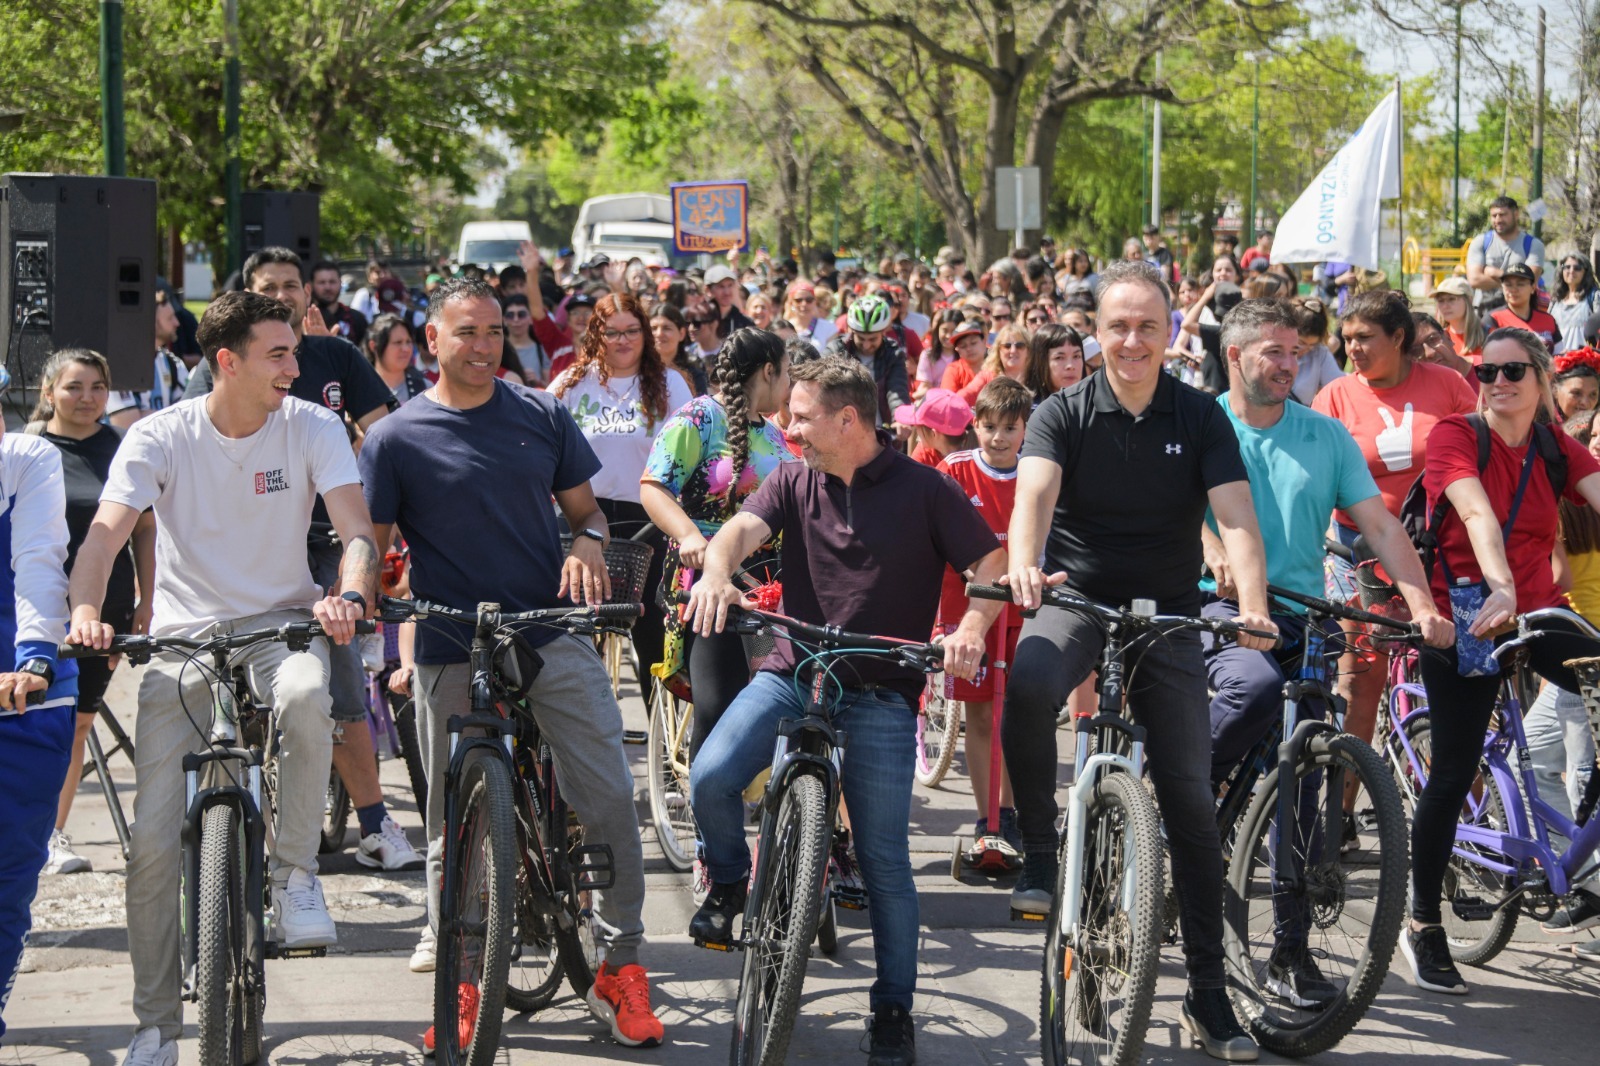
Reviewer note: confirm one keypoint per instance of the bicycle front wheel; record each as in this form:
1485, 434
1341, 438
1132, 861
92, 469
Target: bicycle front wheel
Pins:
231, 999
671, 729
1307, 909
477, 914
780, 923
1098, 987
938, 731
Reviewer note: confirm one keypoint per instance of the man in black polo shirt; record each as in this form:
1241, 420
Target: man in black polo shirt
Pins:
335, 374
867, 532
1119, 470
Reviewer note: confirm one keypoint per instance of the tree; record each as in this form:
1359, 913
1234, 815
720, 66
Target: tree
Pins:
905, 72
372, 100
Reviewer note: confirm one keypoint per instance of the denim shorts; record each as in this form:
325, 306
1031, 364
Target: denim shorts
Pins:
1339, 576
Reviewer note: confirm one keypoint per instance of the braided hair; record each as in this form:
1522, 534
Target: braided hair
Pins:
741, 358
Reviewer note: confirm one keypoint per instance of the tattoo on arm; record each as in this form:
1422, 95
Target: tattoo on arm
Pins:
358, 570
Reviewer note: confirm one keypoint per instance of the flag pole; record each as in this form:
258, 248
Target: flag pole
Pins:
1400, 208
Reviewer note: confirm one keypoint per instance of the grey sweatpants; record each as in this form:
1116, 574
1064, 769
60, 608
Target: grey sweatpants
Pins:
175, 719
579, 717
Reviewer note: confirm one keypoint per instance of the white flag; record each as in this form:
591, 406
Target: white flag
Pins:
1336, 219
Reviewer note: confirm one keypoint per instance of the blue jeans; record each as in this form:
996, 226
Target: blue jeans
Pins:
878, 763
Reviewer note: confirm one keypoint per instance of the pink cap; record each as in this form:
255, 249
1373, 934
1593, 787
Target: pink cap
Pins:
940, 410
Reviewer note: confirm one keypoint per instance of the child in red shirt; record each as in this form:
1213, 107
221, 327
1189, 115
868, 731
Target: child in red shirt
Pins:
988, 476
939, 425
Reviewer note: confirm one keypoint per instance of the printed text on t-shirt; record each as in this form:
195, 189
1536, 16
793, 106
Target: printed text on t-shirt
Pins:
271, 481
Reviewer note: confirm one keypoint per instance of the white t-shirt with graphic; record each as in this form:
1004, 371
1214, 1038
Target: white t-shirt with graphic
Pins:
612, 420
231, 515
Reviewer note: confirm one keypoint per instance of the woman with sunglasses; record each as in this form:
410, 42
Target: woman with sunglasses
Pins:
801, 307
1576, 300
1389, 404
1494, 551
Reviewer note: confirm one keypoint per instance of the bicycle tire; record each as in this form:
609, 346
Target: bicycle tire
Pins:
781, 919
229, 1016
1474, 943
335, 815
938, 730
405, 724
1353, 904
1122, 824
580, 948
536, 970
670, 811
478, 894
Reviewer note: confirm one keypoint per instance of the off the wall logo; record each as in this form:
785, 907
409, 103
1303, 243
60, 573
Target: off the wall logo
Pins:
271, 481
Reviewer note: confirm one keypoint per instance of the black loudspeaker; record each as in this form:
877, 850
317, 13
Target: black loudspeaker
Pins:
291, 220
79, 272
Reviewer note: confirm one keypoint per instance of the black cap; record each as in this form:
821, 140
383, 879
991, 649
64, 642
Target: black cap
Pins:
581, 299
595, 261
1519, 270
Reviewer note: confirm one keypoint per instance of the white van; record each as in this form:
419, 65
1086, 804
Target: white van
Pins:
491, 244
627, 225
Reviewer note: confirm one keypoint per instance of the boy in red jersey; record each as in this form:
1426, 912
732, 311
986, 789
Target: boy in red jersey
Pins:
987, 475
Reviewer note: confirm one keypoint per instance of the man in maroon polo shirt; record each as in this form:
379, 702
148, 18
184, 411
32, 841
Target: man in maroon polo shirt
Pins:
867, 534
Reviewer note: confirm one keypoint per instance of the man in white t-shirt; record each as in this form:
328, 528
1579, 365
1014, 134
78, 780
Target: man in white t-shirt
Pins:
232, 477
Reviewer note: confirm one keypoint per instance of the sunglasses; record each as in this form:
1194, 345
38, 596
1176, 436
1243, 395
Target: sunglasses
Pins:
1514, 372
1571, 266
700, 321
998, 317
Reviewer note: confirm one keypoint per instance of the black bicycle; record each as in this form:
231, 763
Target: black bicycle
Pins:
799, 806
514, 908
231, 787
1104, 931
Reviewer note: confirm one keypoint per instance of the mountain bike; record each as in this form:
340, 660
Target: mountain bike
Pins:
1299, 891
799, 807
514, 913
1104, 927
1504, 864
227, 831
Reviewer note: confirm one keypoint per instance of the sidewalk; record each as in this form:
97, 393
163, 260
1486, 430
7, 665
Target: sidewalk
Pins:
978, 997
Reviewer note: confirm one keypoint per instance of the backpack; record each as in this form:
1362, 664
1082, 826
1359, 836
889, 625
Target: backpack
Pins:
1423, 528
1527, 246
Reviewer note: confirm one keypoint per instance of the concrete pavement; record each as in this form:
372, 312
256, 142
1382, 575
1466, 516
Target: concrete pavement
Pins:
978, 996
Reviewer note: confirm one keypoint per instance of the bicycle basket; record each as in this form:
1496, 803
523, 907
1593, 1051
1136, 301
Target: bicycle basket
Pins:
627, 561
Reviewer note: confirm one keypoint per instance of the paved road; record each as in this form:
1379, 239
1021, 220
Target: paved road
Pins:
977, 999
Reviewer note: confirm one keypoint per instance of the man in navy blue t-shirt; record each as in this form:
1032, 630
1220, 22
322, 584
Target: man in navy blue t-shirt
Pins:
467, 470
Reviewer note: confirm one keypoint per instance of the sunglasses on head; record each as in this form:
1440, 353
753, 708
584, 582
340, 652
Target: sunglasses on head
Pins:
1514, 372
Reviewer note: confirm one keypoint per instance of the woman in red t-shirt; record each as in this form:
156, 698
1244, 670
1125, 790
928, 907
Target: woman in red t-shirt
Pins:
1515, 377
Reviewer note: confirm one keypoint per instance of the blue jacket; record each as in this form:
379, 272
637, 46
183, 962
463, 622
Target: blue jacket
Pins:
33, 537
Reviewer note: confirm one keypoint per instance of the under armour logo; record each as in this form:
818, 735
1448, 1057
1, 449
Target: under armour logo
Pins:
1174, 449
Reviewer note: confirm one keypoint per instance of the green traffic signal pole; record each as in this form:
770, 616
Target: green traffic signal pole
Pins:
113, 139
230, 134
1455, 199
1255, 145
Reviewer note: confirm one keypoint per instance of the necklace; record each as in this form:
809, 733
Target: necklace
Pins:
626, 395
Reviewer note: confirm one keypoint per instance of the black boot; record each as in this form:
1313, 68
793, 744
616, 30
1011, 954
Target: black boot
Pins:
713, 922
891, 1038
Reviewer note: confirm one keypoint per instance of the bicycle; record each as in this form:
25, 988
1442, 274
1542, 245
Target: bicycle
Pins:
1103, 933
517, 876
228, 826
1503, 864
938, 732
1286, 887
799, 806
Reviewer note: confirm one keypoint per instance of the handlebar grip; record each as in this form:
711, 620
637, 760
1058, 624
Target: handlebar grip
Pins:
80, 651
1333, 547
618, 611
989, 592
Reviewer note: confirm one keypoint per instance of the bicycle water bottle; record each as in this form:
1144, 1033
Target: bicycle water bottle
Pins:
224, 717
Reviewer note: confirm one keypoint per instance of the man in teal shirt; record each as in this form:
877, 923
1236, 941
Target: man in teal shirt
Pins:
1302, 465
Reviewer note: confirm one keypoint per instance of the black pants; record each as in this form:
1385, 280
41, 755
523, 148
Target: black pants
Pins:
626, 518
1167, 696
719, 669
1458, 718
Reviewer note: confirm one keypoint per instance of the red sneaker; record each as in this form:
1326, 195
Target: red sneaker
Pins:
467, 1017
621, 998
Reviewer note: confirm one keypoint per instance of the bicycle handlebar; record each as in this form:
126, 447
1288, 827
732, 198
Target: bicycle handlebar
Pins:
1058, 597
397, 610
1405, 630
928, 658
140, 646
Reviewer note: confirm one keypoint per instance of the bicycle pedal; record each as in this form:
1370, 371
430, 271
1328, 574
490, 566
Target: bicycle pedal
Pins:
278, 951
850, 899
729, 946
1026, 916
1472, 909
592, 869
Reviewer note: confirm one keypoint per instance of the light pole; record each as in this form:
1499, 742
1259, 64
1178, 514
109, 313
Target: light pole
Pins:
230, 134
1455, 186
113, 135
1255, 149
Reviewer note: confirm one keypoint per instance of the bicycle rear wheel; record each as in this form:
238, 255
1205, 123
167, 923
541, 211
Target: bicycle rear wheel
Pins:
405, 724
938, 732
1095, 996
780, 922
231, 999
1344, 914
671, 729
335, 815
477, 909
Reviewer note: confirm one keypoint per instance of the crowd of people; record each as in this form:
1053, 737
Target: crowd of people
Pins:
878, 437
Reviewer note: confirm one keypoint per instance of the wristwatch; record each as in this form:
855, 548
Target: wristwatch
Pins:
355, 598
593, 534
39, 668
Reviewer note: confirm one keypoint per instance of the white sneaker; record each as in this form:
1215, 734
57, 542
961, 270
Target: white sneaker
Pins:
388, 849
63, 860
148, 1049
300, 916
425, 957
